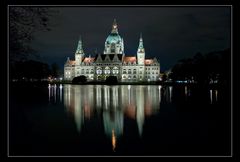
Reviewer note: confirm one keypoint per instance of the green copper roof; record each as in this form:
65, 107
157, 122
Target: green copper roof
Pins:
79, 47
113, 38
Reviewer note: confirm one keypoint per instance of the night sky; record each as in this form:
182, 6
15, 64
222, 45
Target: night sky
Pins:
169, 33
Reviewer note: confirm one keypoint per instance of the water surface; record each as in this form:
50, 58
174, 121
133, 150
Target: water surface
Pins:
125, 120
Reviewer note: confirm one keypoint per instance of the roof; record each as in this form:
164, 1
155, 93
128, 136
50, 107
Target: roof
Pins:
148, 61
70, 62
111, 56
113, 38
88, 59
131, 59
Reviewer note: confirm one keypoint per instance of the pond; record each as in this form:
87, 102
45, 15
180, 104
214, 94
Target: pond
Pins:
119, 120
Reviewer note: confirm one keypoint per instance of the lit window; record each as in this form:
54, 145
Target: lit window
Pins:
107, 70
99, 71
115, 70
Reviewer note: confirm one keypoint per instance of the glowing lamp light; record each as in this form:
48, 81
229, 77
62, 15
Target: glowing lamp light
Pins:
113, 140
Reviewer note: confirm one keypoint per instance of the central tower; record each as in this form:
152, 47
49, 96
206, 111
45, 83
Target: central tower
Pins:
114, 42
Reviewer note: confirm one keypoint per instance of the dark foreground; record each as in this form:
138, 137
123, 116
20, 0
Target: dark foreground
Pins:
136, 120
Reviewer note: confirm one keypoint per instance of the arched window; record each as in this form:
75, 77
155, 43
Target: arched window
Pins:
115, 70
99, 71
134, 71
107, 70
112, 48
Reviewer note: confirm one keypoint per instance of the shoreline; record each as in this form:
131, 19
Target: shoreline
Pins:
44, 83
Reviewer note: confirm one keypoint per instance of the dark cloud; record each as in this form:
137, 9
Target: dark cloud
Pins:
169, 33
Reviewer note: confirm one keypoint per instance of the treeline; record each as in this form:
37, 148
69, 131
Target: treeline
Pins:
214, 67
31, 70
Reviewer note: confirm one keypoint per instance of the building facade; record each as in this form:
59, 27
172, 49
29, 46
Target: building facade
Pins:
113, 62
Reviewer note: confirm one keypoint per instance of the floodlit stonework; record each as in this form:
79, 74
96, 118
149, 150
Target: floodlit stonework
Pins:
113, 62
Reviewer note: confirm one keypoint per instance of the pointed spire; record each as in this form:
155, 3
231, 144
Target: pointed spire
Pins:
79, 47
141, 36
114, 27
140, 47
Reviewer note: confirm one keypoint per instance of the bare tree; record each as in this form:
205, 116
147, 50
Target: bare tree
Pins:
24, 21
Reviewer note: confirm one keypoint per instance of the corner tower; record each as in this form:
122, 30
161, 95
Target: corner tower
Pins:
140, 52
79, 54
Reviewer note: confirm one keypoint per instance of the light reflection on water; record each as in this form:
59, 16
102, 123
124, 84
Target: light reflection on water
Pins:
213, 95
114, 103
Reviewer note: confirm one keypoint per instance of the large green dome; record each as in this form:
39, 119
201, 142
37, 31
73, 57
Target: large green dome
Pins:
114, 42
113, 38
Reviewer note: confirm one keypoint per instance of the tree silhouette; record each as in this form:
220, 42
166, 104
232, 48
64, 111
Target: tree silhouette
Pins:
55, 70
79, 79
111, 80
204, 68
23, 23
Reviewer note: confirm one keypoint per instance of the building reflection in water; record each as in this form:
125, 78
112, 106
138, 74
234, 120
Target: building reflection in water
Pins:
114, 102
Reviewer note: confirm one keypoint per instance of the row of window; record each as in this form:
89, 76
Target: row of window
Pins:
130, 77
134, 77
151, 73
116, 68
152, 68
86, 72
108, 71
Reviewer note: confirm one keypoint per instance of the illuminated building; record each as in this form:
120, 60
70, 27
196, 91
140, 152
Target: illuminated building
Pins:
113, 62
